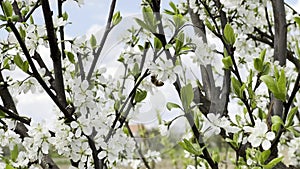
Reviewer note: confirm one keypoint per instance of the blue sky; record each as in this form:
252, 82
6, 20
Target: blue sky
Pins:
94, 12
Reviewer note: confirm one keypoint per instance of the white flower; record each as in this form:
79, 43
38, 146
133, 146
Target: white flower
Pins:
57, 22
260, 135
163, 129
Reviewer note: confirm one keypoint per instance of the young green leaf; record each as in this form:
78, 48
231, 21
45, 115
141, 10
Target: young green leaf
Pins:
264, 156
116, 18
209, 25
18, 61
236, 85
93, 42
227, 62
276, 123
136, 70
14, 153
186, 96
270, 82
188, 146
297, 20
290, 117
171, 105
258, 64
70, 56
272, 163
7, 8
140, 95
229, 34
157, 44
281, 83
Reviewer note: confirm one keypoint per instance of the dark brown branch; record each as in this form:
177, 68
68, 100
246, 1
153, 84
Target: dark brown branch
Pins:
37, 4
54, 53
61, 28
17, 10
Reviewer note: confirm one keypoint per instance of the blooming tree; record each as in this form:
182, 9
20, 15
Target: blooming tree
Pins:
247, 58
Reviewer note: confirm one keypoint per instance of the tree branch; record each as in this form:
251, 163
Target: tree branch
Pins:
54, 53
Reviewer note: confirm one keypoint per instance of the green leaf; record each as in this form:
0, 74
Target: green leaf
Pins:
266, 69
7, 8
186, 96
209, 25
116, 18
297, 49
140, 95
22, 32
236, 85
14, 153
281, 83
3, 18
157, 44
270, 82
294, 131
227, 62
297, 20
136, 70
276, 123
272, 163
5, 64
290, 116
18, 61
70, 56
264, 156
65, 16
170, 106
229, 34
15, 18
8, 166
178, 20
188, 146
93, 41
25, 66
117, 105
168, 46
143, 25
173, 6
258, 64
262, 55
2, 114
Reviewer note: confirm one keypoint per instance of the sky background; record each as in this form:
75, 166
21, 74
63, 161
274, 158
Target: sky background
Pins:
90, 18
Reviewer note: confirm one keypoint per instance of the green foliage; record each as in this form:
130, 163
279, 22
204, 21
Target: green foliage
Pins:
227, 62
291, 116
272, 163
23, 65
237, 87
229, 34
70, 56
136, 70
140, 95
149, 22
276, 123
171, 106
117, 18
191, 147
93, 42
297, 20
277, 86
7, 8
14, 153
186, 96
